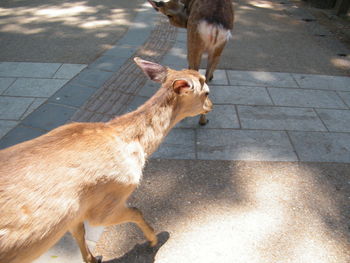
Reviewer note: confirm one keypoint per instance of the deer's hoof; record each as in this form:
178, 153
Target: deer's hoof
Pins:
203, 120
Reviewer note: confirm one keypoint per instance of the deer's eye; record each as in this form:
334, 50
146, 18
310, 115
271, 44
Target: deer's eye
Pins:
169, 16
207, 94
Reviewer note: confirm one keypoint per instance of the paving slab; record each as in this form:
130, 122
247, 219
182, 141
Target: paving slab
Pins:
28, 69
91, 77
306, 98
321, 146
307, 81
179, 144
5, 83
68, 71
335, 120
107, 63
19, 134
256, 78
222, 144
239, 95
32, 87
72, 95
6, 126
279, 118
49, 116
220, 77
345, 96
222, 117
36, 104
176, 58
12, 108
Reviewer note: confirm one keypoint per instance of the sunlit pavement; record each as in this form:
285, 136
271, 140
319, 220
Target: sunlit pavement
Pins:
267, 180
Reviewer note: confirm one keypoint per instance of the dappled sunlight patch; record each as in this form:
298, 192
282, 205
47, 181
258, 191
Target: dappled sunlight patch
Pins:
147, 52
278, 220
343, 63
79, 14
67, 9
261, 4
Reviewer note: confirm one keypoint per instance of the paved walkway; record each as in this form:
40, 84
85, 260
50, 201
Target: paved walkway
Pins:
261, 116
257, 116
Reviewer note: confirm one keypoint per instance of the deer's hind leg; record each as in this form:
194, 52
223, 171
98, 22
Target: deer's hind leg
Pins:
213, 60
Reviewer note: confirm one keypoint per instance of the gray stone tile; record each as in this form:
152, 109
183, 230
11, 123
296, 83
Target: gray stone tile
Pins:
220, 77
222, 116
5, 83
176, 58
49, 116
256, 78
181, 37
12, 108
321, 146
137, 36
135, 103
239, 95
72, 95
107, 63
279, 118
345, 96
335, 120
179, 144
149, 89
306, 98
68, 71
121, 51
91, 78
36, 104
322, 82
27, 69
35, 87
223, 144
19, 134
6, 126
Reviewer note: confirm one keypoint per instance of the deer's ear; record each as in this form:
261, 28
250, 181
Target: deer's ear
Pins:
182, 86
155, 4
153, 70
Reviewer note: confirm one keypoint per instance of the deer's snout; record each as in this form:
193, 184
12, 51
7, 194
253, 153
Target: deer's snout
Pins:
208, 105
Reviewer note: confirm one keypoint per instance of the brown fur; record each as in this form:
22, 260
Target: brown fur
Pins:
86, 171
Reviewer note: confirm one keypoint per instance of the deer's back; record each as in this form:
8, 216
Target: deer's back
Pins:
218, 12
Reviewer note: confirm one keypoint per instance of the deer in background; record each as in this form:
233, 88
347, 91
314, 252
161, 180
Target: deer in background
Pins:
86, 171
208, 24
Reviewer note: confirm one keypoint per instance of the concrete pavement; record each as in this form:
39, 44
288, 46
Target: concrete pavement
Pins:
209, 209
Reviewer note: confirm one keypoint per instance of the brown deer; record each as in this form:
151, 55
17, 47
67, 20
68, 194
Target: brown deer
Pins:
208, 24
86, 171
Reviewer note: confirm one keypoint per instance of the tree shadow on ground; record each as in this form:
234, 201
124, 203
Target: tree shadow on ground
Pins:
238, 212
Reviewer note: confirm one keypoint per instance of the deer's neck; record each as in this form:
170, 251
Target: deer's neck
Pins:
151, 122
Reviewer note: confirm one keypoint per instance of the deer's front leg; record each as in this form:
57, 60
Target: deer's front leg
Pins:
78, 233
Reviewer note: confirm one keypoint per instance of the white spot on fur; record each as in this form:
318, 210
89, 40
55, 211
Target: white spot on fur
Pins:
213, 35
